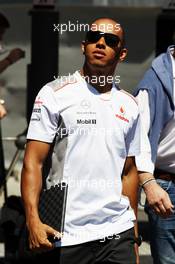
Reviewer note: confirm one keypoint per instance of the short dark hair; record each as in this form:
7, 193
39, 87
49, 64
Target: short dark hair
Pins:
3, 21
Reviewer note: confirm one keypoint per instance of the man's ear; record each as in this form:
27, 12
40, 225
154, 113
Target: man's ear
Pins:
83, 46
123, 54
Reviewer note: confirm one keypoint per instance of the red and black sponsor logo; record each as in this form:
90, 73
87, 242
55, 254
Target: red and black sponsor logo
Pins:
122, 115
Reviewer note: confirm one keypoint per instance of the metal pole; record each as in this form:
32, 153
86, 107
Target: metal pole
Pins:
2, 167
44, 50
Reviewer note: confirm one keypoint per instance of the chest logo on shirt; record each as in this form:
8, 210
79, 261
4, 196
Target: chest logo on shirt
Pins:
85, 108
85, 104
121, 115
86, 121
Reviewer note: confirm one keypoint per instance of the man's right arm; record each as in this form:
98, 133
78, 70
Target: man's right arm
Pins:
31, 184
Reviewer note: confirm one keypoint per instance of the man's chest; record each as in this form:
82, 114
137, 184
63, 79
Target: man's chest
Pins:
93, 113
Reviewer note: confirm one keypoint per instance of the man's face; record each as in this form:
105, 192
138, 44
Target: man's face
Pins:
103, 52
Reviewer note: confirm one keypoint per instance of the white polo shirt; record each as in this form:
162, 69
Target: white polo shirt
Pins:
99, 131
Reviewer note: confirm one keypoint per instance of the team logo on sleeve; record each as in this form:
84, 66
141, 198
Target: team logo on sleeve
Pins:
121, 115
37, 105
38, 102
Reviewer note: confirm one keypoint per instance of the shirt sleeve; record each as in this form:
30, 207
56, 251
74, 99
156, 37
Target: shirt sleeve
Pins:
44, 119
143, 160
133, 138
143, 103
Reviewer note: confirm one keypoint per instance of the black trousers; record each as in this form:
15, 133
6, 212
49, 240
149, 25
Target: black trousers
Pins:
118, 249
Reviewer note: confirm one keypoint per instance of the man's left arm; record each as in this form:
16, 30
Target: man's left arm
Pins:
130, 183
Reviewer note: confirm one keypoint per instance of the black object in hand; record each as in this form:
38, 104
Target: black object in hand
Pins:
52, 206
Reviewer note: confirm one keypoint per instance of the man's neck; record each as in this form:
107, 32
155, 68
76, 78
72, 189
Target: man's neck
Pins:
100, 79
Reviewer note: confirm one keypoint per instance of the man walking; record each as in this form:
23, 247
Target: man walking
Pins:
100, 136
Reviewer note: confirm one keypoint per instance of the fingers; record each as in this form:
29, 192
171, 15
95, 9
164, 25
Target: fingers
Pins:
159, 200
51, 231
44, 245
167, 203
164, 207
39, 238
40, 244
160, 210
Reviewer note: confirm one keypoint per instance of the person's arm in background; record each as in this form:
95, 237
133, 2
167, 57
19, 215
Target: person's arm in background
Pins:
31, 184
157, 198
3, 111
130, 183
14, 55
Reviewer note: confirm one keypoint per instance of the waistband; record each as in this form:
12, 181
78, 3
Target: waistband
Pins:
164, 175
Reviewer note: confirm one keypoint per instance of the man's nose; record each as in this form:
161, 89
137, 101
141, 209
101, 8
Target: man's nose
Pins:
101, 42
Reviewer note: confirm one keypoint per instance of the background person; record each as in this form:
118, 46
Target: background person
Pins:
156, 97
13, 56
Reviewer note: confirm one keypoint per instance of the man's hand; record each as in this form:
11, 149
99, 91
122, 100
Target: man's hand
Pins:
15, 55
38, 236
158, 199
3, 111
